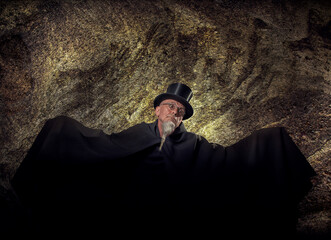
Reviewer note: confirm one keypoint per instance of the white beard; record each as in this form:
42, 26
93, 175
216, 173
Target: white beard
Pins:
167, 129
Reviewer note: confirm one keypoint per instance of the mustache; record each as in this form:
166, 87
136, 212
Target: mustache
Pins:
172, 116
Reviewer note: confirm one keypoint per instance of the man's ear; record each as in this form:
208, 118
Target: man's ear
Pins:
157, 111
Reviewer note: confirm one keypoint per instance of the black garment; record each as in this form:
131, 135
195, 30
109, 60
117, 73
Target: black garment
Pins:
82, 180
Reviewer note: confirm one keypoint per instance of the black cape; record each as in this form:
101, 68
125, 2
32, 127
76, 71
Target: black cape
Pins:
82, 180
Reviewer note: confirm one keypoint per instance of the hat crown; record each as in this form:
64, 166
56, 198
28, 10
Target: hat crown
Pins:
181, 90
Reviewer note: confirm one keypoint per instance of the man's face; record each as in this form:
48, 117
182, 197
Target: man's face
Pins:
170, 110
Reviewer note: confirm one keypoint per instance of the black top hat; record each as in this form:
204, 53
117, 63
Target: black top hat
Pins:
179, 92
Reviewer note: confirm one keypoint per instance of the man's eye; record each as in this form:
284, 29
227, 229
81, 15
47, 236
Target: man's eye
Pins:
172, 107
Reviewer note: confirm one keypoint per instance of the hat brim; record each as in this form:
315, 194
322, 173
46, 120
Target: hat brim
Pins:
164, 96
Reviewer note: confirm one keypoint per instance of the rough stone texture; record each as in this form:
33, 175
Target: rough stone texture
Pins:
251, 64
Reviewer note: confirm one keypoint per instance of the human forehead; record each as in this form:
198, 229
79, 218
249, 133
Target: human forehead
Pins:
173, 101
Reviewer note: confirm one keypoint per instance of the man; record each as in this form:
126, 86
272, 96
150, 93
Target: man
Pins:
158, 178
171, 108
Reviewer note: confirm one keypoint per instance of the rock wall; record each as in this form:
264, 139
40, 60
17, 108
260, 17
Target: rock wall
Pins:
250, 64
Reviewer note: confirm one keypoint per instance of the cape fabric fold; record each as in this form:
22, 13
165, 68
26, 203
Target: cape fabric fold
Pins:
80, 179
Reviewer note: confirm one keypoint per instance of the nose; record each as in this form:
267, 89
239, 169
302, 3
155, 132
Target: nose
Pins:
175, 111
